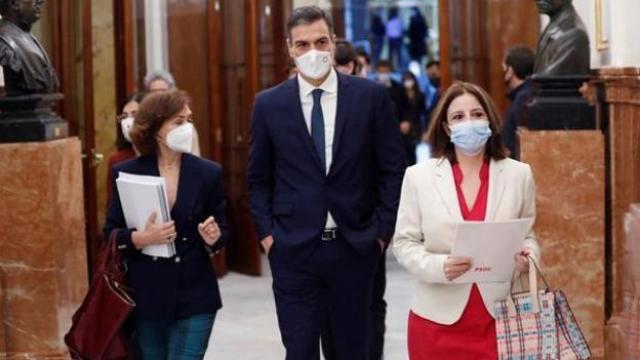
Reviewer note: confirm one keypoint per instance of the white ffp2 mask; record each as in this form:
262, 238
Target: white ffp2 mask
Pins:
180, 139
125, 126
314, 64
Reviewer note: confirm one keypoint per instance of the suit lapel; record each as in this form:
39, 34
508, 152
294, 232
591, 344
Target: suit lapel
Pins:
295, 110
446, 187
497, 184
343, 100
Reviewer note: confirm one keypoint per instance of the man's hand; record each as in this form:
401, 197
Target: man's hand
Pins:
266, 243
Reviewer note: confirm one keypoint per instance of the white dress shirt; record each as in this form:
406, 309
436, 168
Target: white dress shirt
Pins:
329, 103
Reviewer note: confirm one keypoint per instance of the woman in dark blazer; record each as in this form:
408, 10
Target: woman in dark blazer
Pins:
176, 298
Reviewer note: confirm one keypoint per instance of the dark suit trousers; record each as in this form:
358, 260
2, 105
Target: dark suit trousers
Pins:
378, 315
335, 281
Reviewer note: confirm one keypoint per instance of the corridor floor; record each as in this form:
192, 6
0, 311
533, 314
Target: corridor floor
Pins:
246, 328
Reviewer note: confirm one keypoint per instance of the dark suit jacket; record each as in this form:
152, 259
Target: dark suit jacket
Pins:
165, 289
289, 192
516, 115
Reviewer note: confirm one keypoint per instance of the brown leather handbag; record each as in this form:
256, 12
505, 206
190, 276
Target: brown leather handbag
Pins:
97, 331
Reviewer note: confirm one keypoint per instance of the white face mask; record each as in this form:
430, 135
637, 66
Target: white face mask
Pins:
314, 64
125, 126
180, 139
409, 83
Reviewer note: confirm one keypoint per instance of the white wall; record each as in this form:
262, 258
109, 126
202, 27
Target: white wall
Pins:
621, 24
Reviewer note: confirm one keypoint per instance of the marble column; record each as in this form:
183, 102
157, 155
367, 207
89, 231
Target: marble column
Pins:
42, 246
569, 171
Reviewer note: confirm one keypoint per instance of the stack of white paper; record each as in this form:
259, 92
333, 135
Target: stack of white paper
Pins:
492, 245
140, 196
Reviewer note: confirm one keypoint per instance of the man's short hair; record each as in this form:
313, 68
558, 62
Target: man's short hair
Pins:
306, 15
521, 59
360, 51
5, 5
431, 63
159, 75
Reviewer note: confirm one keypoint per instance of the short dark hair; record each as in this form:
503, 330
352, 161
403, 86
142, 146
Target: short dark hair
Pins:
360, 51
5, 5
306, 15
521, 59
384, 63
155, 109
345, 54
441, 145
431, 63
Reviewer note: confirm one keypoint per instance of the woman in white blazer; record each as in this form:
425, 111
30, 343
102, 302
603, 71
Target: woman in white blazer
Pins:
469, 178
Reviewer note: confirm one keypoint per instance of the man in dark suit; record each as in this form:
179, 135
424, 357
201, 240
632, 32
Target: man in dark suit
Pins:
517, 67
324, 173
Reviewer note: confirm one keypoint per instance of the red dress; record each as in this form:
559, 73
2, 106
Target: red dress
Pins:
473, 336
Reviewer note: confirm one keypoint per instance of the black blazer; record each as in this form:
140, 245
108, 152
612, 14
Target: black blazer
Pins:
289, 191
185, 285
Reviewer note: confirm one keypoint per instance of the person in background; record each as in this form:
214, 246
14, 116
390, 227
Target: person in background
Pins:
345, 58
517, 66
433, 74
395, 36
412, 112
161, 80
176, 298
377, 32
124, 148
323, 197
469, 178
418, 33
384, 76
365, 62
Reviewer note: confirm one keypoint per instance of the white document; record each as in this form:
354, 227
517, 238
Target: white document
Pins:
140, 196
492, 246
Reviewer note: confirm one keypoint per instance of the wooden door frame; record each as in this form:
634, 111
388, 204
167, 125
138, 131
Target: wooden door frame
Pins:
66, 15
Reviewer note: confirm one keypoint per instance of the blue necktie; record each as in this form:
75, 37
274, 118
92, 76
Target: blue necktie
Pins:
317, 126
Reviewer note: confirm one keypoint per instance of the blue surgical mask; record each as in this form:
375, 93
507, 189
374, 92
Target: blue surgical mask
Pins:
470, 137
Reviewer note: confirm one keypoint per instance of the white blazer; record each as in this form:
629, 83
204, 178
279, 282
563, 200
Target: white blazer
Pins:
425, 230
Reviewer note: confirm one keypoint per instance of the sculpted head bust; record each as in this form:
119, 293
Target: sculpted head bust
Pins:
26, 66
563, 48
551, 7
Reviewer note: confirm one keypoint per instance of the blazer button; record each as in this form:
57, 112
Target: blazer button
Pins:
155, 258
122, 247
177, 259
185, 238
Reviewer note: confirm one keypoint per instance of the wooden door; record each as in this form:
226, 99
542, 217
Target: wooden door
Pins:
66, 33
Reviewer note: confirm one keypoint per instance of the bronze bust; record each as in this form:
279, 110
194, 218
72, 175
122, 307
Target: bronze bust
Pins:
26, 66
563, 48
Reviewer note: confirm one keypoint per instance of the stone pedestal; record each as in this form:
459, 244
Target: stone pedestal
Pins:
31, 118
569, 171
557, 104
42, 246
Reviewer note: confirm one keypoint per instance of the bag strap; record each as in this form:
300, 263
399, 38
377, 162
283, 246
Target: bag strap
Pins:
109, 257
534, 270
